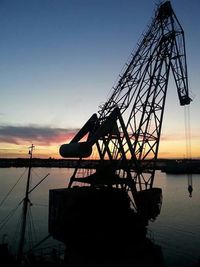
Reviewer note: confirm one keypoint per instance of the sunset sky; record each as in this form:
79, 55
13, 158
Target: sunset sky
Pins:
60, 58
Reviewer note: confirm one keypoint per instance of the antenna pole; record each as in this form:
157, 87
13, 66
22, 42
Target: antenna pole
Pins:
25, 209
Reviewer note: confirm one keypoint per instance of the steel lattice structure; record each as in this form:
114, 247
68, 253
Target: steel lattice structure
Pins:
126, 132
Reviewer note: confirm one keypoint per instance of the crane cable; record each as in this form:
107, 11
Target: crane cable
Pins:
188, 146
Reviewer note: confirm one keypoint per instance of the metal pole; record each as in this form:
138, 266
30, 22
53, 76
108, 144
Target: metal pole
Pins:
24, 210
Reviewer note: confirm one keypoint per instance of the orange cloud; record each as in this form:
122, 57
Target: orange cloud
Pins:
15, 140
39, 135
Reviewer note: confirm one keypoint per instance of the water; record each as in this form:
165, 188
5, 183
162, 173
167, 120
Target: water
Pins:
39, 199
176, 229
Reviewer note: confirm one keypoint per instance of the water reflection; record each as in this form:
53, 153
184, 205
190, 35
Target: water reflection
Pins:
176, 230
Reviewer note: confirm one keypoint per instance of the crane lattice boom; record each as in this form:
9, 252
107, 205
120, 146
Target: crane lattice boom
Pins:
126, 132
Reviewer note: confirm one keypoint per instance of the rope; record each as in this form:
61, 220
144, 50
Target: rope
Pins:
5, 220
12, 188
15, 239
188, 146
38, 183
39, 243
31, 231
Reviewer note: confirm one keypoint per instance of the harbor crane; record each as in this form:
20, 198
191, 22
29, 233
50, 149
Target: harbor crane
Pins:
125, 133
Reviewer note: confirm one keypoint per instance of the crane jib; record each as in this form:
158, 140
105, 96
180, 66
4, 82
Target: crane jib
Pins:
125, 135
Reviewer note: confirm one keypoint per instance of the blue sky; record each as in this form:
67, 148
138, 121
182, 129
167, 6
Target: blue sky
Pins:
60, 58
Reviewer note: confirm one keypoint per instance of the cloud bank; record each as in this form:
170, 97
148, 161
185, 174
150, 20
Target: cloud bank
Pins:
35, 134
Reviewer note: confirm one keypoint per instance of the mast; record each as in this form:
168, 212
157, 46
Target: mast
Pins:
25, 209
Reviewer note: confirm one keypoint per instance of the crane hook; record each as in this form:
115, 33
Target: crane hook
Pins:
190, 189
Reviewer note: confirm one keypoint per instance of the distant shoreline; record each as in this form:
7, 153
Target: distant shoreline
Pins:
161, 164
47, 163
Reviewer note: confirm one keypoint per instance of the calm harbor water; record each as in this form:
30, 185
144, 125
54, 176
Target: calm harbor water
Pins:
176, 229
